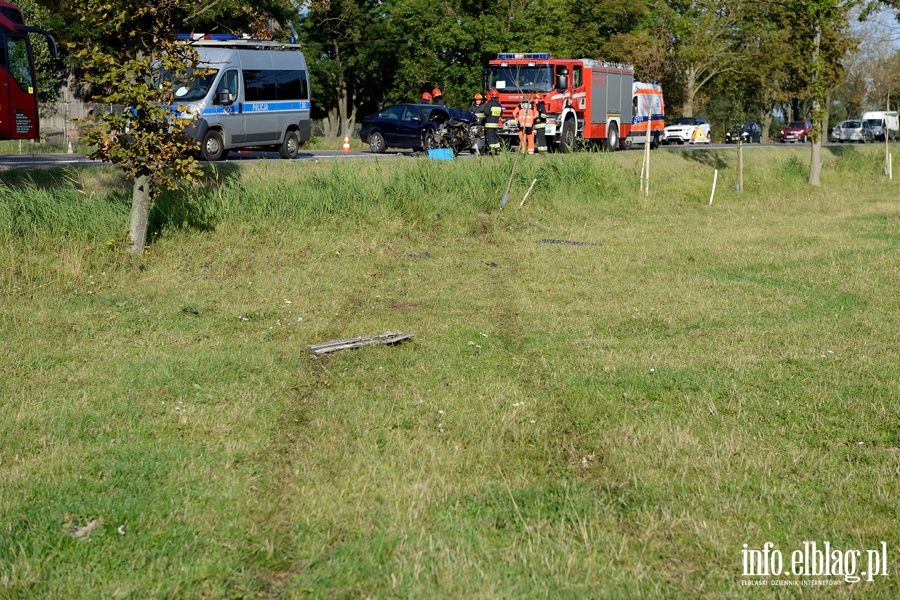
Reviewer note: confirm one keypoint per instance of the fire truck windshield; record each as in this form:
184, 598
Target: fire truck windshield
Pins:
518, 78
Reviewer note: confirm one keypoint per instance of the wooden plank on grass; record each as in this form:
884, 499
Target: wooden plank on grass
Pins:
388, 337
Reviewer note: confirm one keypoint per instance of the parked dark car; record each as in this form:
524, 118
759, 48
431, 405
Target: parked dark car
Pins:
795, 131
748, 131
421, 127
856, 130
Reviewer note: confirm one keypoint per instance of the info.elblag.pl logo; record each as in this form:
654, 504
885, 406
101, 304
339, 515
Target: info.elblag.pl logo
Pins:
813, 564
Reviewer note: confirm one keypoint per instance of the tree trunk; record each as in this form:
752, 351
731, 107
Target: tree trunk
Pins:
691, 74
140, 213
767, 123
815, 158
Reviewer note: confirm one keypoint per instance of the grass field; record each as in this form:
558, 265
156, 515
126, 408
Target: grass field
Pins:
570, 421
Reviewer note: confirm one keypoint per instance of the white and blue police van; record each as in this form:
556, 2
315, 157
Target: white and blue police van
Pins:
255, 95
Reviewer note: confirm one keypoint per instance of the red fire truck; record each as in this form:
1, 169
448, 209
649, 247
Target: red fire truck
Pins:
590, 100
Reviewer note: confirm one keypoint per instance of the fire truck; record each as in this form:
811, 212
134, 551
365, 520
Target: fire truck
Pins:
590, 101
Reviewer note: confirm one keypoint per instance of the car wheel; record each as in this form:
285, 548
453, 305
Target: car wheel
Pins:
213, 147
567, 138
376, 143
429, 141
290, 146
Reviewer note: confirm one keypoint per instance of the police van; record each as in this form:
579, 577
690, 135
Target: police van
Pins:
255, 95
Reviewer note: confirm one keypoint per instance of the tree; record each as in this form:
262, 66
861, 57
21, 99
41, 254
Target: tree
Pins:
707, 38
146, 138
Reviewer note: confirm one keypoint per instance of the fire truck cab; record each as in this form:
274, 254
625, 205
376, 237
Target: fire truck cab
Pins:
587, 100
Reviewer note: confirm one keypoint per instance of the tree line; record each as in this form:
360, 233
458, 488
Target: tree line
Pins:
726, 59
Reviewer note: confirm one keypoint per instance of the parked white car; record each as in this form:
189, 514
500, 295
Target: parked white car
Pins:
681, 130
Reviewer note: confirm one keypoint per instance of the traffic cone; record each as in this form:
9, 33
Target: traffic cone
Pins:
346, 147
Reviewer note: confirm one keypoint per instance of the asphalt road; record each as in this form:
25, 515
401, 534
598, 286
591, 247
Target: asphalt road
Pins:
37, 161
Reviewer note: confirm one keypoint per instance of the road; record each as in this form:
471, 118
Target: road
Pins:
37, 161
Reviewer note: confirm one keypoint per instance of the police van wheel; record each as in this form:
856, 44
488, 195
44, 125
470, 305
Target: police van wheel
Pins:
290, 146
213, 148
567, 137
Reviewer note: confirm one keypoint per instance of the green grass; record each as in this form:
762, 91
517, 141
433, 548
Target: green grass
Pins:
608, 421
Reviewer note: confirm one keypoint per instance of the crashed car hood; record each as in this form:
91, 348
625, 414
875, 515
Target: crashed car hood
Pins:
454, 113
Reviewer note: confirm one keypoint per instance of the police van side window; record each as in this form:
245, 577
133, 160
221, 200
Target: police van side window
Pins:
228, 83
291, 85
269, 85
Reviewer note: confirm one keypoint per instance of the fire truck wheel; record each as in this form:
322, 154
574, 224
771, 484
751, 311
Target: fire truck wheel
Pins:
612, 138
567, 138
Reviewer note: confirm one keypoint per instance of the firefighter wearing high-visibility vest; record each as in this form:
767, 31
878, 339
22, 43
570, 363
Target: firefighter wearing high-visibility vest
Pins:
524, 116
540, 122
493, 112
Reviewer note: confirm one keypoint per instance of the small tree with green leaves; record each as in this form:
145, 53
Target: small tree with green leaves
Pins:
143, 132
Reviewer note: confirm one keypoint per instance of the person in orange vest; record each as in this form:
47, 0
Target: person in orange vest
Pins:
524, 116
493, 112
540, 121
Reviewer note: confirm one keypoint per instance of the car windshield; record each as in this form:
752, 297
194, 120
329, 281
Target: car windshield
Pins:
685, 121
852, 125
516, 79
874, 122
190, 89
797, 125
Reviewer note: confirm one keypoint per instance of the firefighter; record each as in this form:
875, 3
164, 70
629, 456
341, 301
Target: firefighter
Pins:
477, 108
438, 97
524, 116
540, 121
426, 98
493, 112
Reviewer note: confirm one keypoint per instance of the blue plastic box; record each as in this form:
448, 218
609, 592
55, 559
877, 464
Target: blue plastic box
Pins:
440, 154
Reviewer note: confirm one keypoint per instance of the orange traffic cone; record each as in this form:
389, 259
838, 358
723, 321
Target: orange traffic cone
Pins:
346, 147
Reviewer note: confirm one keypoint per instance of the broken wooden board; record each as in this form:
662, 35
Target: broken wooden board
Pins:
388, 337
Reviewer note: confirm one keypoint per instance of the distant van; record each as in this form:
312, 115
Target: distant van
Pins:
257, 96
881, 121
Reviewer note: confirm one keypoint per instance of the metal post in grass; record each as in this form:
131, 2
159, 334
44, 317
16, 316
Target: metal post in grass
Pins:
740, 164
715, 178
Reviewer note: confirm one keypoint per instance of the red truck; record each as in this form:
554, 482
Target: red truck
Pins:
590, 100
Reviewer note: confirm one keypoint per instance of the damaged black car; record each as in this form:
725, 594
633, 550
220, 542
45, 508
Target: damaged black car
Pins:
422, 127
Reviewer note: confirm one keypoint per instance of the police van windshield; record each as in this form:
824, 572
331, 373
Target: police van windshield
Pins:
191, 88
516, 78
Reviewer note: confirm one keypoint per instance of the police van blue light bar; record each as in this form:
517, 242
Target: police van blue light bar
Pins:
523, 55
215, 37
